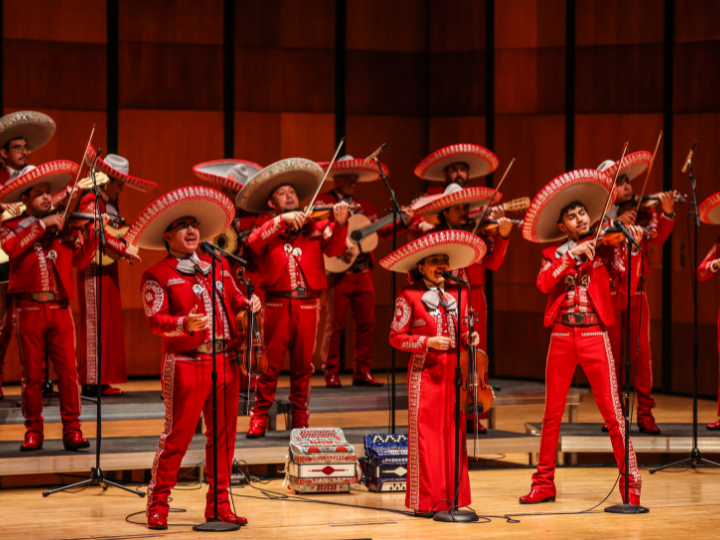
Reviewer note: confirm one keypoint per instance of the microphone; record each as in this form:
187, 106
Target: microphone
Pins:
621, 226
209, 248
688, 159
376, 153
452, 277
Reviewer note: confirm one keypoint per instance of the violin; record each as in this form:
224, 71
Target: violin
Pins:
254, 361
319, 213
648, 202
611, 236
490, 226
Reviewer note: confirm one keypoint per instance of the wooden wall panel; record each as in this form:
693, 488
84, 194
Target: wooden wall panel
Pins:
311, 136
696, 20
612, 22
378, 25
697, 77
257, 137
171, 21
457, 25
457, 84
542, 72
529, 24
82, 21
447, 130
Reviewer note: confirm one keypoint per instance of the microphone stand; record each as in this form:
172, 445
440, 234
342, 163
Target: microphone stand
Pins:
695, 457
396, 212
97, 477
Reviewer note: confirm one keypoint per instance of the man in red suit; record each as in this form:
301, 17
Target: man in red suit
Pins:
290, 256
115, 169
634, 166
352, 289
42, 253
178, 297
577, 276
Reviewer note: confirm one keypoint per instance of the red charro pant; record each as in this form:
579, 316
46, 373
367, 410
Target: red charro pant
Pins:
644, 378
6, 326
187, 389
290, 325
354, 291
39, 326
588, 346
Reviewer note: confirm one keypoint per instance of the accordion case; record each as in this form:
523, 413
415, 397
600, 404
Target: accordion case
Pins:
386, 455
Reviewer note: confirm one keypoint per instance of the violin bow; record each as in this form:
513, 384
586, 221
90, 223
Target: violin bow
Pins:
497, 189
82, 161
647, 176
609, 197
317, 191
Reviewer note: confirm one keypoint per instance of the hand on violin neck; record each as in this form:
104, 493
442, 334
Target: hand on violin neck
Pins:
294, 220
586, 249
504, 227
628, 218
341, 211
54, 220
439, 343
475, 339
496, 212
254, 304
667, 202
637, 232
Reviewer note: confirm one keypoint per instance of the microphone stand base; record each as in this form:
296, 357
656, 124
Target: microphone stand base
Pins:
627, 509
456, 516
216, 526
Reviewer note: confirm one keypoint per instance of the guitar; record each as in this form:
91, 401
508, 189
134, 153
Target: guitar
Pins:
362, 238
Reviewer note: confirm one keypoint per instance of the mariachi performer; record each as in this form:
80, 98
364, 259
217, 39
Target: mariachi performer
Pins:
424, 324
289, 250
352, 289
20, 133
42, 251
112, 177
177, 294
576, 274
710, 213
660, 225
451, 210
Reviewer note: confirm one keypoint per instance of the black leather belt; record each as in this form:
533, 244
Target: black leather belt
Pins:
39, 297
207, 347
300, 292
360, 267
577, 319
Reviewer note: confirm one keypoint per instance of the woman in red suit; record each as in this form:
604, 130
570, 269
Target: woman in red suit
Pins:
425, 322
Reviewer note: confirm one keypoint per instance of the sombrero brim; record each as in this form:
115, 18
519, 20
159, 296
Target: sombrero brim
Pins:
216, 172
474, 196
633, 165
56, 173
589, 186
710, 210
463, 248
35, 127
211, 208
130, 181
479, 159
304, 175
365, 171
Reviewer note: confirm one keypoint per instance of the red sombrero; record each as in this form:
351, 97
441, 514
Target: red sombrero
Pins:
366, 171
56, 173
633, 165
589, 186
211, 208
230, 174
117, 167
454, 195
463, 248
479, 159
710, 210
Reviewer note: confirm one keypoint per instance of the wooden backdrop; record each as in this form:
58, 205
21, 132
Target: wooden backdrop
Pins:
416, 78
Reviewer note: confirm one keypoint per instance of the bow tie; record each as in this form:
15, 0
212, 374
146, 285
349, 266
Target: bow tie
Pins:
193, 264
434, 298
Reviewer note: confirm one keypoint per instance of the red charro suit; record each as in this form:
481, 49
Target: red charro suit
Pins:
580, 290
170, 290
6, 311
114, 368
704, 272
352, 289
639, 308
41, 264
292, 272
431, 398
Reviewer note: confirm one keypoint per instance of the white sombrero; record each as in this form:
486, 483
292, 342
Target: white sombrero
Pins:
56, 173
633, 165
230, 174
366, 171
211, 208
35, 127
117, 167
463, 248
710, 210
304, 175
588, 186
479, 159
454, 195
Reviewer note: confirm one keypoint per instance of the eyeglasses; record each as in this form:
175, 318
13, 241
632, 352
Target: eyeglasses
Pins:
20, 149
194, 224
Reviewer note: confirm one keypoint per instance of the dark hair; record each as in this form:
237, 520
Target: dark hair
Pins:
572, 206
454, 162
6, 146
26, 193
442, 219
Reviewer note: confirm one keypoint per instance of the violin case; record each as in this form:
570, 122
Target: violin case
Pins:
386, 456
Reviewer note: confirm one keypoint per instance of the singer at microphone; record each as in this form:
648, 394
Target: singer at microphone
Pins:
449, 276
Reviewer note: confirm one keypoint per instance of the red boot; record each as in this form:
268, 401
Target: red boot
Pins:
75, 441
366, 379
536, 496
647, 425
715, 426
33, 441
332, 381
257, 430
157, 521
226, 516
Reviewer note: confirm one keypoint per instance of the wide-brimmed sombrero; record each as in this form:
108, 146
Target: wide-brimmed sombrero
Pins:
213, 210
56, 173
588, 186
633, 165
366, 171
479, 160
35, 127
455, 195
117, 167
304, 175
463, 248
230, 174
710, 210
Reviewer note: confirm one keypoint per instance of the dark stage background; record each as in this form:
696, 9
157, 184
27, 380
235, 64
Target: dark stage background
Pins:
557, 84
